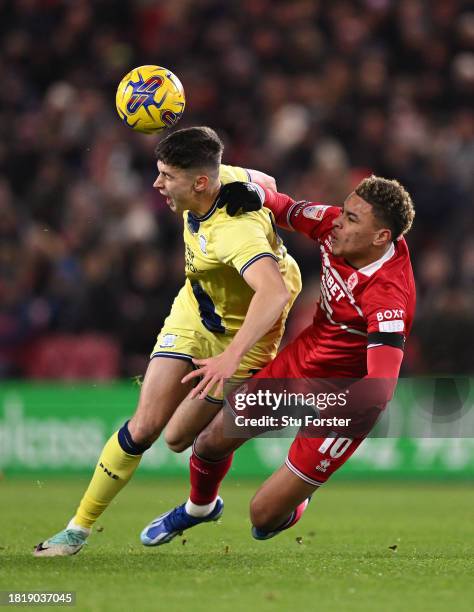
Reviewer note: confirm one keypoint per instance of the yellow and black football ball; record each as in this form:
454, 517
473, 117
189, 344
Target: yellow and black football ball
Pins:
150, 99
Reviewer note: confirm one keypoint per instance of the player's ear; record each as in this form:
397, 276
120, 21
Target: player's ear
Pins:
382, 236
200, 183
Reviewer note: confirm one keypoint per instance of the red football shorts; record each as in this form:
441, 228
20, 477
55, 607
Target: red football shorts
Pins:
312, 459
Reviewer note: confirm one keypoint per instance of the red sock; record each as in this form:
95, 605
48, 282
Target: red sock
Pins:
206, 477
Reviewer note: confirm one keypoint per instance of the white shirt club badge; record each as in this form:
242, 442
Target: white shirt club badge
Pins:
203, 243
168, 341
315, 212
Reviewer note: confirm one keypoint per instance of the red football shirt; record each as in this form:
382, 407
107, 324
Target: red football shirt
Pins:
357, 309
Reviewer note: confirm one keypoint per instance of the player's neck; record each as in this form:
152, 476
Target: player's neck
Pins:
360, 261
203, 202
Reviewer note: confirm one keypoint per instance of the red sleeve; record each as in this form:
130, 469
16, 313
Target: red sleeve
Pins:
378, 386
312, 219
279, 204
384, 362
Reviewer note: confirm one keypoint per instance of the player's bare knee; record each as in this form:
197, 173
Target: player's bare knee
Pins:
260, 513
144, 431
176, 441
178, 446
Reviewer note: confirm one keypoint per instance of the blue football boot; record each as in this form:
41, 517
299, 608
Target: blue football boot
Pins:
170, 524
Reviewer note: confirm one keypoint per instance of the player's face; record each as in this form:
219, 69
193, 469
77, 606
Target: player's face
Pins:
176, 184
356, 232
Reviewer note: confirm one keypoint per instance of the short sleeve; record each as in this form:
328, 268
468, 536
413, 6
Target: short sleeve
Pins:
241, 241
384, 306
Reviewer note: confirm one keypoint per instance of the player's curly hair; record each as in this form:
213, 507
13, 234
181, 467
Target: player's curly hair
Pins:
391, 203
195, 147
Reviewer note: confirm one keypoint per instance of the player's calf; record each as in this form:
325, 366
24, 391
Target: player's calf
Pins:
279, 503
263, 528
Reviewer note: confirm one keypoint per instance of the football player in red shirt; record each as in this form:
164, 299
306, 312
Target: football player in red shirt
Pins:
362, 319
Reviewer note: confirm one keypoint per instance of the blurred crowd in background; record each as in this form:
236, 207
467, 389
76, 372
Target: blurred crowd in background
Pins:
317, 93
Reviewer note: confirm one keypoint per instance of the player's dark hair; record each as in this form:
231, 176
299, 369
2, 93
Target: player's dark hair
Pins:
195, 147
391, 203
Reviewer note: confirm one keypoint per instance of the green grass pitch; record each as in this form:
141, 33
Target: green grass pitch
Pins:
339, 557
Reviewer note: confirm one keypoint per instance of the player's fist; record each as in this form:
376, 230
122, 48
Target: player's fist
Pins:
243, 197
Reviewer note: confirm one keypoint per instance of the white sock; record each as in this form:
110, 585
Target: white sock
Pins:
195, 510
72, 525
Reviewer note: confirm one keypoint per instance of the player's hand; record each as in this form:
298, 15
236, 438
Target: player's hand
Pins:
243, 197
214, 372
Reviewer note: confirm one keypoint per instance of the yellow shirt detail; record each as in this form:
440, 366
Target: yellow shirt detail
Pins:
218, 249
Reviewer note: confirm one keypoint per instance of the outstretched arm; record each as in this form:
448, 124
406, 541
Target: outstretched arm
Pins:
246, 197
281, 206
310, 218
